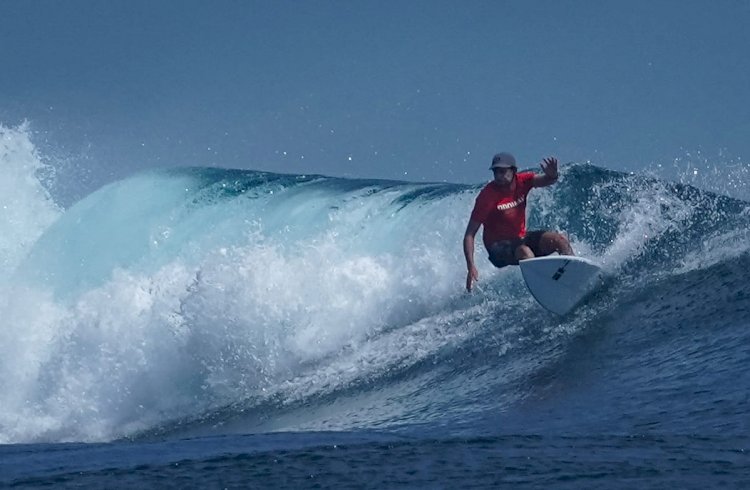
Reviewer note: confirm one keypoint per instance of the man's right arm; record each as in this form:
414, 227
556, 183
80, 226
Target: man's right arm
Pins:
472, 274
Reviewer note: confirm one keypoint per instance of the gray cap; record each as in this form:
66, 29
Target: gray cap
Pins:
503, 160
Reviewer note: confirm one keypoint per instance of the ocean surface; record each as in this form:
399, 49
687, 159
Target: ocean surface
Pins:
219, 328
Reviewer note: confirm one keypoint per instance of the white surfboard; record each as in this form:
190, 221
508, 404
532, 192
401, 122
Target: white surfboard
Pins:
560, 282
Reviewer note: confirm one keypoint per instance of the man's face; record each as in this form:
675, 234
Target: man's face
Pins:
504, 175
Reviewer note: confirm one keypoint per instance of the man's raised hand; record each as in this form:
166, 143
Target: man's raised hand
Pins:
549, 167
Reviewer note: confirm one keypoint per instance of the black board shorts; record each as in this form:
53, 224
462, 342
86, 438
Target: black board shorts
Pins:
503, 252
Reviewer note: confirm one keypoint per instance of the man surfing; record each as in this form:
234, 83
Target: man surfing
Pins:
501, 208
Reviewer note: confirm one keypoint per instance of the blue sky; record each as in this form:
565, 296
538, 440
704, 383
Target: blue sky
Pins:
417, 90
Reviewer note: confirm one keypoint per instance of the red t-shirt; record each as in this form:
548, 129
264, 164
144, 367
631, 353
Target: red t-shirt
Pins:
503, 211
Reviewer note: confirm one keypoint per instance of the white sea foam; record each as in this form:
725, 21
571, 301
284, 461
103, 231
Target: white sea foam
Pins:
194, 321
26, 208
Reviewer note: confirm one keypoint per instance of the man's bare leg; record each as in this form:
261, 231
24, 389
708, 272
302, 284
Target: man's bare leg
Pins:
524, 252
552, 242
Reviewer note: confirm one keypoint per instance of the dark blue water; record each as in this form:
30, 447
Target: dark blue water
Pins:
219, 328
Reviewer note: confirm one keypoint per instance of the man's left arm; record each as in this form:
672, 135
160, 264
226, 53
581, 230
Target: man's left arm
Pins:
549, 177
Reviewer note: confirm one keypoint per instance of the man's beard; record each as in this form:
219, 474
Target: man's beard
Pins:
507, 179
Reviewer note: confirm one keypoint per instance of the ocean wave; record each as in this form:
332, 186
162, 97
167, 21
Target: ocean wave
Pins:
198, 300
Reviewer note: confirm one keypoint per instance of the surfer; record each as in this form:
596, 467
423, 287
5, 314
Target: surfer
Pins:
501, 208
